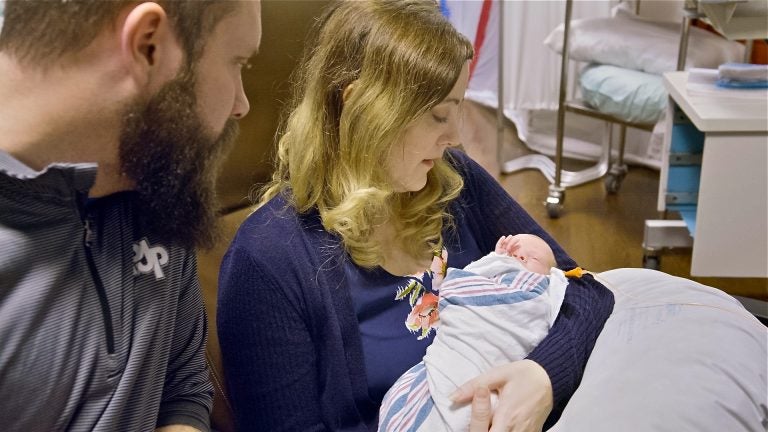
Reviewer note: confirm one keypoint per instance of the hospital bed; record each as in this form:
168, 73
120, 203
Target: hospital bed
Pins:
674, 356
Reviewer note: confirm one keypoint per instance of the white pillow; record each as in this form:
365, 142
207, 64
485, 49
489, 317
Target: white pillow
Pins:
634, 43
674, 356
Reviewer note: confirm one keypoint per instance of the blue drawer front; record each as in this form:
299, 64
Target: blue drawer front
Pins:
686, 139
684, 178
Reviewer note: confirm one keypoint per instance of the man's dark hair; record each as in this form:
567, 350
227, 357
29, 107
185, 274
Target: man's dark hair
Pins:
42, 31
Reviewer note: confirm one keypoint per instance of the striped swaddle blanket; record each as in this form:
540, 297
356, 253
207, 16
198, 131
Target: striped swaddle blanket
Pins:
491, 312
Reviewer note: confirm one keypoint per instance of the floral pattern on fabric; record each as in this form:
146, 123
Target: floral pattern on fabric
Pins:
424, 314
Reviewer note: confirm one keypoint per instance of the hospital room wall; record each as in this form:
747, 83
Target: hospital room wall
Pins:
285, 25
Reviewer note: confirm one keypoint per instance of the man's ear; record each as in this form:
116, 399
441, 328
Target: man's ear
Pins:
147, 41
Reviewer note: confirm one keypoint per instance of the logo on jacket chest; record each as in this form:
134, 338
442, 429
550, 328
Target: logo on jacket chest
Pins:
149, 259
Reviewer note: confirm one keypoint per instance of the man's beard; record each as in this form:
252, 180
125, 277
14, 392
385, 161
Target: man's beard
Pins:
171, 157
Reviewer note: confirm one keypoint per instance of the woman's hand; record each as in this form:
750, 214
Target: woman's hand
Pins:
525, 398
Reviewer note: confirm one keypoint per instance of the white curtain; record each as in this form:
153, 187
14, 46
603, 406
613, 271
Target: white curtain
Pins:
532, 74
531, 70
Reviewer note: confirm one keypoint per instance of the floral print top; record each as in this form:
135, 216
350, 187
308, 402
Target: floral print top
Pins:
424, 313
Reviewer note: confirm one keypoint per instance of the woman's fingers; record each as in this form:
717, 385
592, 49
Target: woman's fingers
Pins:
464, 393
522, 406
491, 379
481, 410
525, 405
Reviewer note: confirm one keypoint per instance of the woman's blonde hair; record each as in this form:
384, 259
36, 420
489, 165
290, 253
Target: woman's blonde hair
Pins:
403, 58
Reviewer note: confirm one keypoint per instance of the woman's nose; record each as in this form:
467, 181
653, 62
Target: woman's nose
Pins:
452, 136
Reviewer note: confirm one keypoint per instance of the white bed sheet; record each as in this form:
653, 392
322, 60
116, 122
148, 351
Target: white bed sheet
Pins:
674, 356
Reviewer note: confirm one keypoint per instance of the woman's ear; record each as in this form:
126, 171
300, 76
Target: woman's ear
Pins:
348, 91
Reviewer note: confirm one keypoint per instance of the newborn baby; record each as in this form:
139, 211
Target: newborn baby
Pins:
494, 311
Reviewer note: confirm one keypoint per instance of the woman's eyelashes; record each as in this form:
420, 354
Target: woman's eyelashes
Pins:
441, 114
439, 119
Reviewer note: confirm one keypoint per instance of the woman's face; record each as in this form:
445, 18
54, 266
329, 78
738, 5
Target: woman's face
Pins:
425, 140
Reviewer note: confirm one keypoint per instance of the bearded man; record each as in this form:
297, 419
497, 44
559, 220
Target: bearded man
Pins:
114, 117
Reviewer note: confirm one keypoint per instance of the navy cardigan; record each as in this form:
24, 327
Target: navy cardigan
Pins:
289, 335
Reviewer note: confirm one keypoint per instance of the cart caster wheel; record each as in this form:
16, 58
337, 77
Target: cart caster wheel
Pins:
651, 262
612, 183
615, 177
553, 210
555, 200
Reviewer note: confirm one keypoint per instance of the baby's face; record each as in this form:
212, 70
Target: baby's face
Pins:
533, 252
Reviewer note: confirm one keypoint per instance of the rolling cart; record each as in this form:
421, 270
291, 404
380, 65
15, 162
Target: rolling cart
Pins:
612, 171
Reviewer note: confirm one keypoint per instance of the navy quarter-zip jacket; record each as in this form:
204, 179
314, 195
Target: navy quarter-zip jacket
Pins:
102, 328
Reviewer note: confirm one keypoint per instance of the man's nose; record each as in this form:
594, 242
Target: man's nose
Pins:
241, 105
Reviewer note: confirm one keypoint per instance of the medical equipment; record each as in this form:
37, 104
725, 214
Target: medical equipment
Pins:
633, 52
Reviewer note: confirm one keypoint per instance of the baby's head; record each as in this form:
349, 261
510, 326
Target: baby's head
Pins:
532, 251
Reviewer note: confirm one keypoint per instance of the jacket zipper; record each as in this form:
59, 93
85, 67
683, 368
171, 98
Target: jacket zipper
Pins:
106, 313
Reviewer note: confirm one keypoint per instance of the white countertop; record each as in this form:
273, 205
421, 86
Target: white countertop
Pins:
713, 109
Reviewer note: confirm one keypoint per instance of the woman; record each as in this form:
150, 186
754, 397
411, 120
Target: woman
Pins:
314, 320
